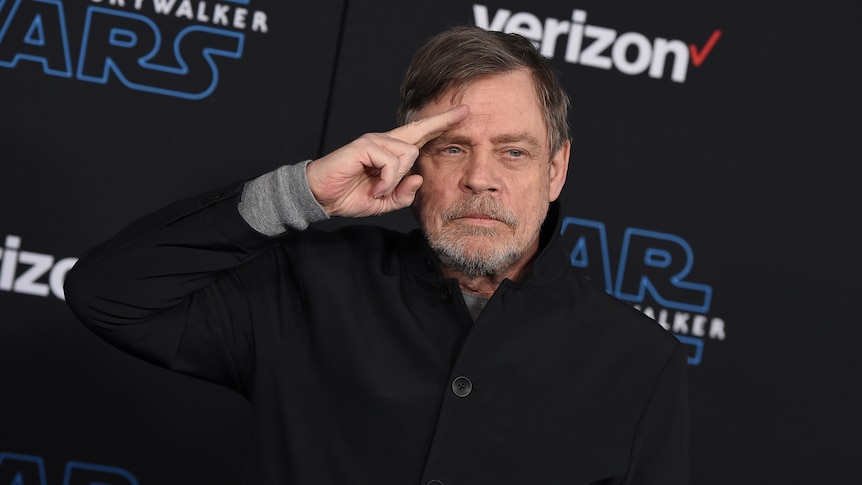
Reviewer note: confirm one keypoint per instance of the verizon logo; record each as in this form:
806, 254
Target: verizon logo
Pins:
31, 273
630, 53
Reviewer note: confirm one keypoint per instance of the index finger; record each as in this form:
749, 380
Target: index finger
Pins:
422, 131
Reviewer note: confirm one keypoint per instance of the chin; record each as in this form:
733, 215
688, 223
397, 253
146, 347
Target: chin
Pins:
476, 256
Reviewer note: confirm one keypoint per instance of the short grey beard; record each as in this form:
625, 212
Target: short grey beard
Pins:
454, 253
454, 257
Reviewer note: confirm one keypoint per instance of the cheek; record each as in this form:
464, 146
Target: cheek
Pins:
534, 190
434, 177
428, 205
436, 189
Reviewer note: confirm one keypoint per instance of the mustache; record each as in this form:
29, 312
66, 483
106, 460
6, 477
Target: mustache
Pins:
480, 206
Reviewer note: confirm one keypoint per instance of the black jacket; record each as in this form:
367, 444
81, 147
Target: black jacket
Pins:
363, 365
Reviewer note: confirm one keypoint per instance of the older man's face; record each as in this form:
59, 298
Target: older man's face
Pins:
489, 180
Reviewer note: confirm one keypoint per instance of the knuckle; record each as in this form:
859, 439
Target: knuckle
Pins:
370, 137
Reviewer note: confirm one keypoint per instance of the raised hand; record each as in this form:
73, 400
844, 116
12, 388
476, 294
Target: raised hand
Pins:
371, 175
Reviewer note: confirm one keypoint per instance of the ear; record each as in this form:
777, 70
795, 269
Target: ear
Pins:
558, 167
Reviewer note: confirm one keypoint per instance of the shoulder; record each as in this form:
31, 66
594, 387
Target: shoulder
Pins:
345, 247
616, 323
363, 239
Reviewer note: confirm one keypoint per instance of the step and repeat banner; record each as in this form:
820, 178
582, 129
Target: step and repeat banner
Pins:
715, 184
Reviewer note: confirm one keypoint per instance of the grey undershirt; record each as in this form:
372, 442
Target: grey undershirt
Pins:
475, 303
280, 201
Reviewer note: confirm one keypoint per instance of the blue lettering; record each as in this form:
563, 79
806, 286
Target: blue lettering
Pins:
658, 263
590, 249
36, 34
697, 344
18, 469
78, 473
650, 262
125, 44
35, 30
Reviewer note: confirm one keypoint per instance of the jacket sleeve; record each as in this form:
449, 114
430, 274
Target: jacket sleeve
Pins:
660, 452
162, 288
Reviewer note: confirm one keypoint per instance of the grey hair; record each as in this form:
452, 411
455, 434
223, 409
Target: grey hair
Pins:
451, 60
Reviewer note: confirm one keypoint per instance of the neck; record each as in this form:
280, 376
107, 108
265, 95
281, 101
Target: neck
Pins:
486, 285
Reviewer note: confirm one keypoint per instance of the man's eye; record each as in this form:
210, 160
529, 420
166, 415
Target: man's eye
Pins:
515, 153
452, 150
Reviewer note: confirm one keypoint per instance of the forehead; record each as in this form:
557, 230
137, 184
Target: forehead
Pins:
500, 104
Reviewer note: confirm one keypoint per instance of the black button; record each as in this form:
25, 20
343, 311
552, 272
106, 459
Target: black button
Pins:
429, 265
445, 294
462, 386
434, 482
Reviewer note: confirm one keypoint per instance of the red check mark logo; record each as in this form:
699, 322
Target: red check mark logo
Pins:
697, 57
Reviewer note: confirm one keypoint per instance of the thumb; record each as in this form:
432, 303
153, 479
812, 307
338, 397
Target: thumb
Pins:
405, 192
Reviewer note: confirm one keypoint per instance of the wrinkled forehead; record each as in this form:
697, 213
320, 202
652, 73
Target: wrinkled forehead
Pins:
504, 105
526, 91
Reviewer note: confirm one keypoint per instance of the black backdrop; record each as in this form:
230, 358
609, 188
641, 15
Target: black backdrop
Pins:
724, 205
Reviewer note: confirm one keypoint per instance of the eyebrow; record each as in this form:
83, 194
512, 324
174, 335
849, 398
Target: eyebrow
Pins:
525, 138
521, 138
446, 139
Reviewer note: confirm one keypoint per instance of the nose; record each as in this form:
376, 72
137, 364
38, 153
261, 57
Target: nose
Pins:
480, 174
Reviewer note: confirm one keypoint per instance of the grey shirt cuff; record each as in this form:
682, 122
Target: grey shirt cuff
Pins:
280, 201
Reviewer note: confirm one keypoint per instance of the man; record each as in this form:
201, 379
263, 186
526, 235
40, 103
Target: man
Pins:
465, 353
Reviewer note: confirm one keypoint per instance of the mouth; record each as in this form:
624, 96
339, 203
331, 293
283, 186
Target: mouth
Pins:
479, 212
479, 219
